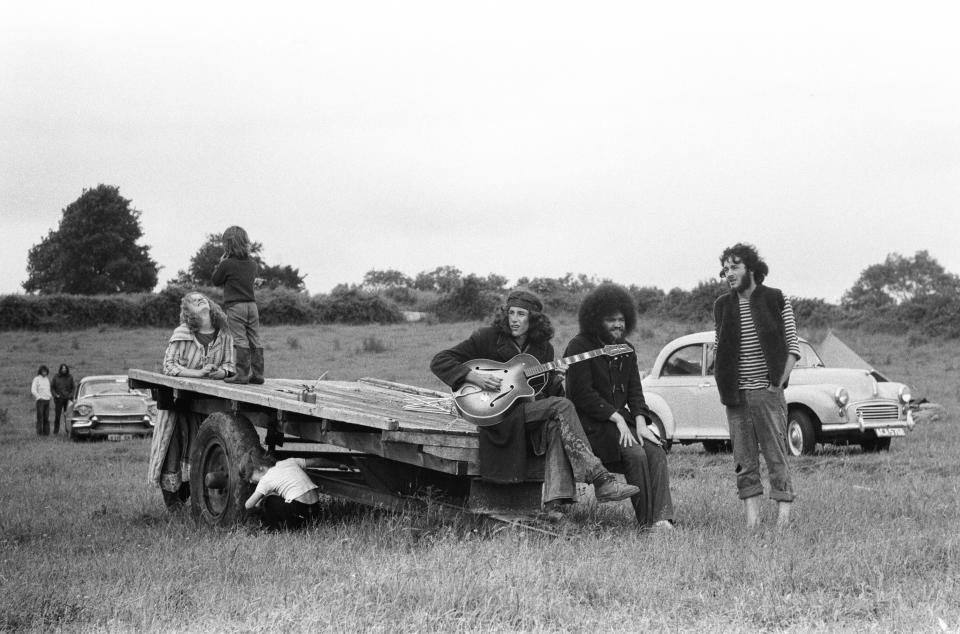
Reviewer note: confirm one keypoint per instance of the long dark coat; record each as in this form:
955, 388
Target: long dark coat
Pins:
504, 447
601, 386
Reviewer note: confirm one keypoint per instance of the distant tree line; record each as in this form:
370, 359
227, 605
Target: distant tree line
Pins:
90, 271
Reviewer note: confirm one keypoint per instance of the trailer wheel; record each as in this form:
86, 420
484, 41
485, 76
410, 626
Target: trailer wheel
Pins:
217, 493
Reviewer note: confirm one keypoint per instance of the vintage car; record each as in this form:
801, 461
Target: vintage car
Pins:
824, 404
106, 407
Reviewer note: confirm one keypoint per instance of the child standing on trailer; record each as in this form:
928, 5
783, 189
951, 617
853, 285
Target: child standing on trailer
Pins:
287, 494
236, 273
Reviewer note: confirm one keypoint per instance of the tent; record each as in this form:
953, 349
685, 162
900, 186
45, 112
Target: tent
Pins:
836, 354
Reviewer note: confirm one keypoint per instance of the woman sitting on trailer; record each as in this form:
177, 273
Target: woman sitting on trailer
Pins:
201, 347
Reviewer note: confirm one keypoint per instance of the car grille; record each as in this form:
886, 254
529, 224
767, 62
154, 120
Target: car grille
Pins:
879, 411
126, 419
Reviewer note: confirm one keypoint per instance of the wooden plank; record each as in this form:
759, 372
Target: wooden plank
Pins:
427, 438
265, 397
401, 452
403, 387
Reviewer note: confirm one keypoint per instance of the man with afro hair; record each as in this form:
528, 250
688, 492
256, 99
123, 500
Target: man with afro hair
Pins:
609, 400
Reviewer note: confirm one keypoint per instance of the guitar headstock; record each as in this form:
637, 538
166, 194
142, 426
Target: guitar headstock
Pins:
617, 349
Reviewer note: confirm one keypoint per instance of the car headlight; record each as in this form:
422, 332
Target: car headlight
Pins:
83, 410
841, 396
904, 395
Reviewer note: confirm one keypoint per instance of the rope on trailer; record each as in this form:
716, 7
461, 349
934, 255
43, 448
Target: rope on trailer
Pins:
429, 404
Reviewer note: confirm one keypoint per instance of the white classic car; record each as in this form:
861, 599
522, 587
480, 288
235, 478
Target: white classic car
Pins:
106, 407
825, 404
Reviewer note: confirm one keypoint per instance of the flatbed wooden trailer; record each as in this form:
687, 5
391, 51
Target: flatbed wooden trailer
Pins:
379, 443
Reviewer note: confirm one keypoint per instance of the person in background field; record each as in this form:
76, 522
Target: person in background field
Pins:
756, 349
286, 494
609, 399
548, 426
201, 346
62, 386
40, 388
236, 273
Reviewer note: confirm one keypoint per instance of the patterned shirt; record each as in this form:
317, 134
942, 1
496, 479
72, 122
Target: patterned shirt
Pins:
185, 352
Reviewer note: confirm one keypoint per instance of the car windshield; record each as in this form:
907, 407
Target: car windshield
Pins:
808, 357
91, 388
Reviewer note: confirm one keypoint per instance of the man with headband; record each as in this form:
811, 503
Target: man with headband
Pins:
548, 426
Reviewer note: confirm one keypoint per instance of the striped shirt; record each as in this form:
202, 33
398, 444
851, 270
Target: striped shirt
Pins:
753, 367
185, 352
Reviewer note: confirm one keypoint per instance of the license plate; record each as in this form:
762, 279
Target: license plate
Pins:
119, 436
895, 431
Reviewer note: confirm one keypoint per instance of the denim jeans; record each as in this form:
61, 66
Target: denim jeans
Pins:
244, 319
564, 445
758, 424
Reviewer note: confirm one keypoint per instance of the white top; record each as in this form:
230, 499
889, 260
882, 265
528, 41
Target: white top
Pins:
40, 388
286, 479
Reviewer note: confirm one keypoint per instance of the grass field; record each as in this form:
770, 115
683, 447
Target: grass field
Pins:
86, 545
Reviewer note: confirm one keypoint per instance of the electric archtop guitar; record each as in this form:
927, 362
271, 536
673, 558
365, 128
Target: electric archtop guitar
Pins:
487, 407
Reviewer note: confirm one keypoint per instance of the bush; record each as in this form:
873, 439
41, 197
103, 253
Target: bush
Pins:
283, 305
354, 306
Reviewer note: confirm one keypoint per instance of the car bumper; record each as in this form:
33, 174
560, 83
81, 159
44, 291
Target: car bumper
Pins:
86, 427
876, 418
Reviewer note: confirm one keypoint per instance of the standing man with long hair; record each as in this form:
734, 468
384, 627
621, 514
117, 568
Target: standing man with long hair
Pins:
756, 349
236, 273
63, 386
40, 388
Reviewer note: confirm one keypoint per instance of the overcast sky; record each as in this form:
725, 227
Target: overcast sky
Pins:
631, 141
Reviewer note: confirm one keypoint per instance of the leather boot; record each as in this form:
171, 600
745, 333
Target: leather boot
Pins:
242, 366
608, 489
256, 365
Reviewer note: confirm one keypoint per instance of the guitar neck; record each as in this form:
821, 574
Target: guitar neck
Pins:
552, 365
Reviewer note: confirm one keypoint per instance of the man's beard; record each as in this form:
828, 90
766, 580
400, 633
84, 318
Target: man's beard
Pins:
612, 337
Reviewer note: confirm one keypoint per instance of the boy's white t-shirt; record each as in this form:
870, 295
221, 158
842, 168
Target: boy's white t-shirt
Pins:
286, 479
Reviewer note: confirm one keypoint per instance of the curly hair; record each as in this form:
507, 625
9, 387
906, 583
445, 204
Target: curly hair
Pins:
253, 460
217, 317
746, 253
236, 242
603, 301
540, 331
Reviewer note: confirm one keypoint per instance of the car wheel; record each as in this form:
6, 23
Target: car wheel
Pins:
873, 445
217, 493
716, 446
801, 438
665, 442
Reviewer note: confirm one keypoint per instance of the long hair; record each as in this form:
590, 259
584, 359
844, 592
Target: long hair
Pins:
746, 253
252, 460
540, 330
217, 317
236, 243
43, 369
604, 301
64, 369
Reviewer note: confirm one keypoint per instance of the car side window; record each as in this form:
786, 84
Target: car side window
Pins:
686, 361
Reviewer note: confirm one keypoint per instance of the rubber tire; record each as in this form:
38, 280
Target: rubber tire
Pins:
716, 446
665, 442
220, 444
801, 437
873, 445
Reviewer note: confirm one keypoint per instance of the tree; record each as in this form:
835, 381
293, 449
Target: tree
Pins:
442, 279
901, 279
94, 250
285, 276
375, 280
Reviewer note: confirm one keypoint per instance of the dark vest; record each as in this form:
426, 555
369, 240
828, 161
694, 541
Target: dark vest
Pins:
766, 306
